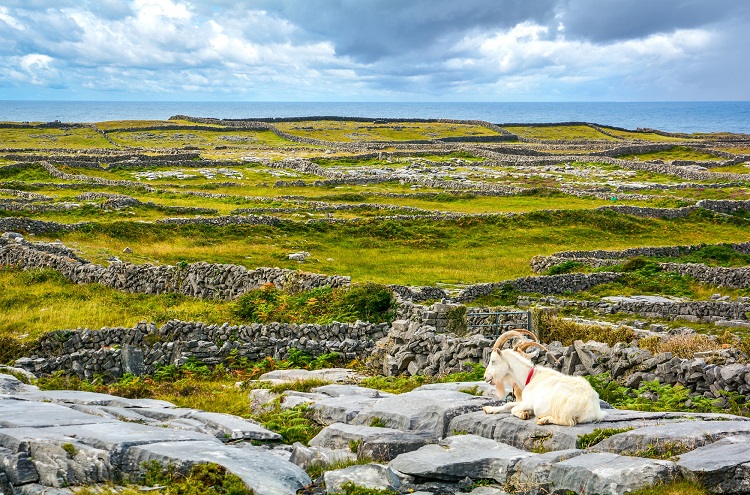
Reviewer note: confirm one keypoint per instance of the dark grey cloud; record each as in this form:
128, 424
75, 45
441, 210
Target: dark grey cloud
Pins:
373, 29
611, 20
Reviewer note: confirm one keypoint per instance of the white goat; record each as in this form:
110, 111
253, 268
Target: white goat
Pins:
549, 395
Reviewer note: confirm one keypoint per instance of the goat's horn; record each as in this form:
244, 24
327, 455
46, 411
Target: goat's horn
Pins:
522, 346
509, 335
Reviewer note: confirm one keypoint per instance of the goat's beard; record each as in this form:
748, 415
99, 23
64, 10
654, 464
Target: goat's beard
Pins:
500, 387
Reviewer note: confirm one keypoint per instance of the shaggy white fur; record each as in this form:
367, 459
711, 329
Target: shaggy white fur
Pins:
549, 395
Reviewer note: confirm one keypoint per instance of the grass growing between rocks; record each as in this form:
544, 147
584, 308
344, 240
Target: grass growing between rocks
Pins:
679, 487
200, 479
645, 277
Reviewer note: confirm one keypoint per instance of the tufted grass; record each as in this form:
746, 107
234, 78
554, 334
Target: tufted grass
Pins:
37, 301
674, 153
678, 487
558, 132
202, 139
48, 138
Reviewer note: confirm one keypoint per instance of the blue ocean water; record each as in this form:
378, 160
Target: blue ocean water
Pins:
667, 116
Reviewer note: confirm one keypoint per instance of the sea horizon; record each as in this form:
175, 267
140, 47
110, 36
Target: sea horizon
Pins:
685, 116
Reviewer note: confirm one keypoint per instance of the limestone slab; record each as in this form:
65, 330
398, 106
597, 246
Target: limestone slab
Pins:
234, 427
20, 413
423, 410
262, 471
723, 466
306, 457
532, 473
347, 390
681, 436
459, 456
373, 476
482, 388
340, 409
609, 474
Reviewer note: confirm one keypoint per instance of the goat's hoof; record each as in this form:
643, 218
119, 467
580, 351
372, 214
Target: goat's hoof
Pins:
524, 415
487, 410
543, 421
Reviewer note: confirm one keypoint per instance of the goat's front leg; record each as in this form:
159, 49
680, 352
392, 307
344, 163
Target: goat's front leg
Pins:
498, 409
521, 410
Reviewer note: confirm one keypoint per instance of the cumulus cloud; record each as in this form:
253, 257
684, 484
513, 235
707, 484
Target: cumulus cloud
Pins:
379, 49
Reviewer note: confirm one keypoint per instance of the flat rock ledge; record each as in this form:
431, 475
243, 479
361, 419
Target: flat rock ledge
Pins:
50, 440
433, 440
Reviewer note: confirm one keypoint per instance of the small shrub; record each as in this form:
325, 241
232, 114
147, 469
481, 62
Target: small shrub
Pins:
70, 449
505, 295
294, 425
201, 479
354, 445
377, 422
350, 488
564, 267
12, 348
637, 263
456, 320
369, 302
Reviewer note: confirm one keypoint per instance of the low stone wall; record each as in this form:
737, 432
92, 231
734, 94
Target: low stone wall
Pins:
203, 280
553, 284
539, 263
656, 307
16, 224
641, 211
112, 352
727, 206
734, 278
224, 220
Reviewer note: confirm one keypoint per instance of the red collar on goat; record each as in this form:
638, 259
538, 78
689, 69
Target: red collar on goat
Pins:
528, 378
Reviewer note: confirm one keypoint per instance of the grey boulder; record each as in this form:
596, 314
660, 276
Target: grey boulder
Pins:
457, 457
609, 474
722, 467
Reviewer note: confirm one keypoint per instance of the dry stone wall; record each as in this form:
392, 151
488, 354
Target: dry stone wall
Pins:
112, 352
734, 278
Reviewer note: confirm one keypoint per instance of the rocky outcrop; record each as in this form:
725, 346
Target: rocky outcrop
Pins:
56, 439
504, 450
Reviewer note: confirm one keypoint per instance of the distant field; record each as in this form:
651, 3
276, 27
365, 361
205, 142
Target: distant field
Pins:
342, 131
562, 132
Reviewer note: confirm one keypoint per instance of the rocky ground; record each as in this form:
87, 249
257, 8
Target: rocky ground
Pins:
435, 439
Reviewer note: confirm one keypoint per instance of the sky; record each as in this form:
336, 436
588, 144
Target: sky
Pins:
375, 50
